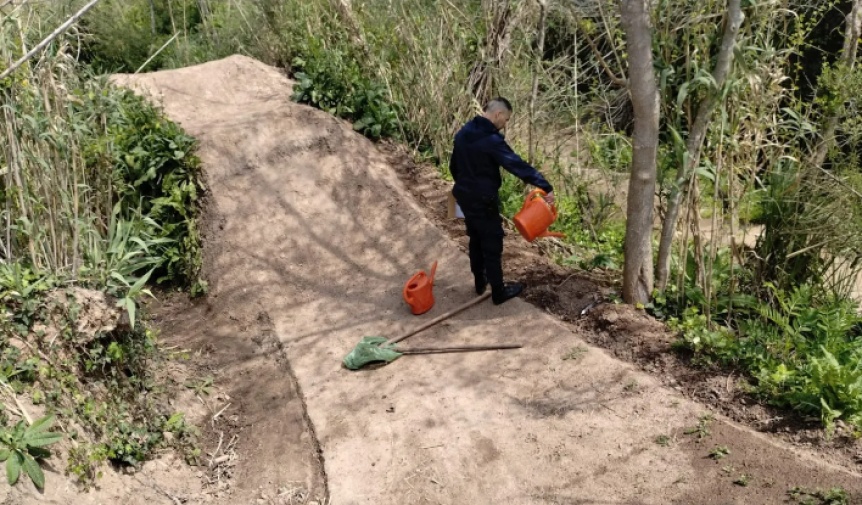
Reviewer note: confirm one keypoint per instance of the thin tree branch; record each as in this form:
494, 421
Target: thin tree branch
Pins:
840, 181
848, 60
41, 45
694, 145
157, 52
603, 63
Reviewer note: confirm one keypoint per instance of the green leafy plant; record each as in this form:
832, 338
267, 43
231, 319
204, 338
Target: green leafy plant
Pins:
16, 371
84, 461
159, 187
719, 452
201, 386
833, 496
611, 151
706, 341
186, 436
17, 281
702, 429
24, 446
801, 348
332, 80
106, 197
130, 443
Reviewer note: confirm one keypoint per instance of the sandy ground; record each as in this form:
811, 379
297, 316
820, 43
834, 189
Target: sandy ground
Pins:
310, 237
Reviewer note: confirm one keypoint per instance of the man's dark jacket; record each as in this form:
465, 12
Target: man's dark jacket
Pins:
479, 152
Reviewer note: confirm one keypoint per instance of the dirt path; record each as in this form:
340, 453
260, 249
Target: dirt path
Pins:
311, 236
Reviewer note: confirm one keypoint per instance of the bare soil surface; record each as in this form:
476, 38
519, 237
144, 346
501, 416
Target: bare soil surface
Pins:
259, 443
311, 232
580, 298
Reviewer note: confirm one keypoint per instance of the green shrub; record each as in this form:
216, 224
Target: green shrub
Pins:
125, 34
333, 81
107, 384
709, 342
112, 169
833, 496
726, 300
106, 196
158, 180
804, 351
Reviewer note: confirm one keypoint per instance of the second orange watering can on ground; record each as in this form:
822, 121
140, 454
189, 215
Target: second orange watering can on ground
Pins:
419, 291
535, 217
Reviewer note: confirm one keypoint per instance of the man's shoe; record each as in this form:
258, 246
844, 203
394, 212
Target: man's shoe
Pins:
481, 283
508, 291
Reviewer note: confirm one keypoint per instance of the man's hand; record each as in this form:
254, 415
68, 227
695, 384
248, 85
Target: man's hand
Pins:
550, 198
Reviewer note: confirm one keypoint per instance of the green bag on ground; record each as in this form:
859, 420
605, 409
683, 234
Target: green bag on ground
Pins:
369, 351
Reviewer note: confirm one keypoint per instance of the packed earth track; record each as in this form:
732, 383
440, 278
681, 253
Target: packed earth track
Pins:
310, 232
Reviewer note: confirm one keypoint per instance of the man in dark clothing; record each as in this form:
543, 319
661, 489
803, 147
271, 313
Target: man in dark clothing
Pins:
479, 152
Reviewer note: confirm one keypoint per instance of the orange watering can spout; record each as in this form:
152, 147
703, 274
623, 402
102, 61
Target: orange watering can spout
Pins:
419, 291
535, 217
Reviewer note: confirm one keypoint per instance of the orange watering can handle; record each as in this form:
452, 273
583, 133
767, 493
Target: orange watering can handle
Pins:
532, 196
539, 192
405, 292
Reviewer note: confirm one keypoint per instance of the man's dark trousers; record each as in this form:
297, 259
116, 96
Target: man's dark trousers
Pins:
485, 229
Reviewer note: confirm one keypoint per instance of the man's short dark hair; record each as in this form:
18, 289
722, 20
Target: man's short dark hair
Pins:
498, 103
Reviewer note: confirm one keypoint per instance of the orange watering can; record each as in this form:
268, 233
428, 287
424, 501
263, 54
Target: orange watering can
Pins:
536, 216
418, 291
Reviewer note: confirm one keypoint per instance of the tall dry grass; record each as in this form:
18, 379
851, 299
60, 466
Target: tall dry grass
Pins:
56, 186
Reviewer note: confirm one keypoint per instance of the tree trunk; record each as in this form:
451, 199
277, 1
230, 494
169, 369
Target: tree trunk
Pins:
848, 60
696, 138
638, 270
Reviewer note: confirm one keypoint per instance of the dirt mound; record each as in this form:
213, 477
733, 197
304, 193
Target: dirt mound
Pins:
311, 235
96, 314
